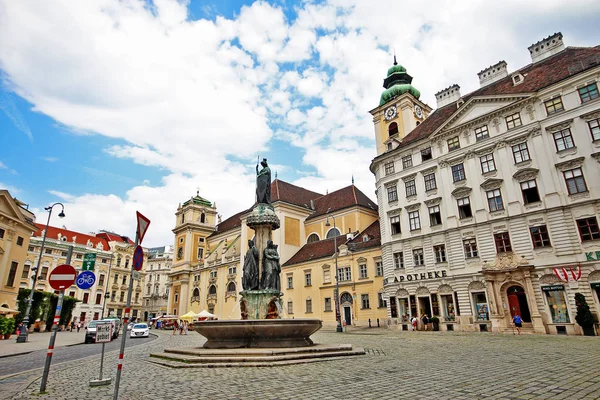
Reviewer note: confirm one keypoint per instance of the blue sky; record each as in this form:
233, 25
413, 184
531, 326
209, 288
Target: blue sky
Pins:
116, 106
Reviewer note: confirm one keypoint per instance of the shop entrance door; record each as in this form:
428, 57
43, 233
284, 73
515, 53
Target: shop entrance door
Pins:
393, 307
348, 315
424, 306
517, 301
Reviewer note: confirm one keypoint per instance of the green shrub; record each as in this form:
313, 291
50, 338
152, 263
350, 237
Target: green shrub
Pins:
584, 316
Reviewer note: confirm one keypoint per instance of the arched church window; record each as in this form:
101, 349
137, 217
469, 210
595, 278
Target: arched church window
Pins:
333, 232
212, 289
231, 287
346, 298
196, 292
313, 237
392, 129
202, 218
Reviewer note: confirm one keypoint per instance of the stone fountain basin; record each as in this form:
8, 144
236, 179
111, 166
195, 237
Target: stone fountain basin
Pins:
258, 333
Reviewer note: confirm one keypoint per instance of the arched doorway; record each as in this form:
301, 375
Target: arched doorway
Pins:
517, 303
346, 302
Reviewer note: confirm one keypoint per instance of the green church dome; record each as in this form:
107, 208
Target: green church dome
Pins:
396, 68
397, 90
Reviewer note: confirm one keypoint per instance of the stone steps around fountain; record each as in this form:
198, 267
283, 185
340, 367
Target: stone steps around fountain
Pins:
210, 358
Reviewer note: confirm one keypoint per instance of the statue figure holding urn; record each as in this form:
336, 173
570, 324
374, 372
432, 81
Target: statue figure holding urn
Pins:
263, 183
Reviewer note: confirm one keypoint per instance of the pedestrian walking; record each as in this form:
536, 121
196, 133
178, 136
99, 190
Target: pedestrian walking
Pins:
79, 326
413, 322
425, 320
518, 322
72, 325
185, 328
175, 327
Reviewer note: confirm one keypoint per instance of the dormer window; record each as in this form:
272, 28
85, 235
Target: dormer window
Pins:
518, 79
389, 147
426, 154
393, 129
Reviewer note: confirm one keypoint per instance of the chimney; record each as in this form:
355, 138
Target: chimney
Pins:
546, 47
448, 95
492, 74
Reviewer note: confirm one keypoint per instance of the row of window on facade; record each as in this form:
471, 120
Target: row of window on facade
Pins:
212, 290
540, 237
41, 277
562, 139
62, 253
365, 303
344, 274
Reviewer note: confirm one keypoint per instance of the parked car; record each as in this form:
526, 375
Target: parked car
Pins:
90, 332
130, 325
139, 330
116, 325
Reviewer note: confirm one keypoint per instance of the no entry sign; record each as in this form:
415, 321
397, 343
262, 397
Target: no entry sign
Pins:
62, 277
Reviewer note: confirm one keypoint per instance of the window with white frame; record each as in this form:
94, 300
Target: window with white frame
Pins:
563, 140
364, 301
440, 253
407, 161
399, 260
435, 216
378, 268
470, 247
588, 92
290, 281
389, 168
458, 172
530, 192
453, 143
392, 193
328, 304
487, 163
520, 152
418, 257
540, 236
308, 306
381, 303
464, 208
482, 132
395, 224
411, 188
594, 126
362, 270
495, 200
232, 270
345, 274
290, 307
430, 183
414, 220
575, 181
514, 120
502, 241
307, 278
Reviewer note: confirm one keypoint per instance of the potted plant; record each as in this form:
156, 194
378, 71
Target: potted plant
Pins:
9, 327
2, 326
584, 316
436, 323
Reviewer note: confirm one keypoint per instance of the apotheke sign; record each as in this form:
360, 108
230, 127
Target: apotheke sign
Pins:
590, 256
422, 276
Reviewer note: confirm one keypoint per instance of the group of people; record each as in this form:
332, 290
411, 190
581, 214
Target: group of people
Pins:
74, 325
424, 319
181, 327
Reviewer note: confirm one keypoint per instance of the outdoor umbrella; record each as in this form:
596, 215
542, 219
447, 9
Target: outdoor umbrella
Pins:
205, 314
189, 316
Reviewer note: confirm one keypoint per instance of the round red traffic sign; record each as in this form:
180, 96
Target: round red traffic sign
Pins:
138, 258
62, 277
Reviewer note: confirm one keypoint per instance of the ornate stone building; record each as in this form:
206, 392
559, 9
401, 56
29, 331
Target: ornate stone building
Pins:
16, 227
156, 292
490, 206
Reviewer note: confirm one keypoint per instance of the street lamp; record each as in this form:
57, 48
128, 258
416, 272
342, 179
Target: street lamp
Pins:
24, 333
337, 280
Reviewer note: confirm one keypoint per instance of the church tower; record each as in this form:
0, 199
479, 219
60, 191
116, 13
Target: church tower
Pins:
195, 220
399, 111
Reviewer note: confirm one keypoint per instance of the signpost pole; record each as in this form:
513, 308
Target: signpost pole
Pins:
103, 334
125, 322
54, 330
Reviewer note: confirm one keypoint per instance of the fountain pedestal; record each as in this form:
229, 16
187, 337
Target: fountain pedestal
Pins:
260, 304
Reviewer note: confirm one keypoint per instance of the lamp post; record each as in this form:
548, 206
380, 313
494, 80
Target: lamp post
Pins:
337, 280
24, 333
106, 293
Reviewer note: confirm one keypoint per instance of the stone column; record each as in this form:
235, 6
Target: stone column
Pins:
536, 318
493, 296
262, 236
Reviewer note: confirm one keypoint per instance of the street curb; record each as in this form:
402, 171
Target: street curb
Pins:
18, 354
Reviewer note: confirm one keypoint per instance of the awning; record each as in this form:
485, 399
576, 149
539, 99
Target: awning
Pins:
205, 314
189, 316
6, 310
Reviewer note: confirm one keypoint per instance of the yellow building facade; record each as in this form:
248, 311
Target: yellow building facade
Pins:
213, 282
16, 228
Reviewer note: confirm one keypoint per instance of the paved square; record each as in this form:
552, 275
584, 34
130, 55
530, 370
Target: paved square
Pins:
413, 365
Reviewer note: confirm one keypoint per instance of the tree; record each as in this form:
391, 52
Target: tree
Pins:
584, 316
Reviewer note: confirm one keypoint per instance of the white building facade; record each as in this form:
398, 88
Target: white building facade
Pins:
156, 288
490, 207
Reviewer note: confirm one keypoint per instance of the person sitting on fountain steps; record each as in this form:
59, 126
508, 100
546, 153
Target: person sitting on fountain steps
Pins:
271, 268
250, 276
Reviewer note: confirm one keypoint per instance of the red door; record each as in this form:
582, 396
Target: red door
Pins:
513, 303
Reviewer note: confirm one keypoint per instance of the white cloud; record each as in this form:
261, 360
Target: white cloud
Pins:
186, 95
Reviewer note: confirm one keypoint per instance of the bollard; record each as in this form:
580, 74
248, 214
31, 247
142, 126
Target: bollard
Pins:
378, 322
369, 322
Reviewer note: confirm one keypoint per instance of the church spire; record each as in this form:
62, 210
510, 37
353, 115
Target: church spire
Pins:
395, 62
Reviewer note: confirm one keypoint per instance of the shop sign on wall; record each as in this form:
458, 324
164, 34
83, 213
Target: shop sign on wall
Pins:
592, 256
422, 276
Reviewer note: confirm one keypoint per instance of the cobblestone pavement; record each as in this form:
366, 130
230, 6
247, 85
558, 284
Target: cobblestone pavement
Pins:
398, 365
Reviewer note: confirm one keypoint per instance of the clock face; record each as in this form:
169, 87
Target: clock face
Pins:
418, 111
390, 113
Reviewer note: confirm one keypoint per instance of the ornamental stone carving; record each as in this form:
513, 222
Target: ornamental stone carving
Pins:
484, 151
518, 139
591, 115
429, 170
570, 164
433, 202
526, 174
596, 156
395, 211
461, 192
594, 276
505, 261
409, 177
402, 293
391, 183
491, 183
421, 291
476, 285
560, 126
413, 207
445, 289
548, 279
535, 131
496, 124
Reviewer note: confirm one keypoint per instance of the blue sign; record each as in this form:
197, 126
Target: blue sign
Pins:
138, 258
85, 280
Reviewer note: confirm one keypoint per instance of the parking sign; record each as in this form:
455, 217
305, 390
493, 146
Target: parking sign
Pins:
103, 332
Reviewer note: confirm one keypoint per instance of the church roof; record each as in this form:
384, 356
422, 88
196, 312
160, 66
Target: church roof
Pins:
284, 191
347, 197
80, 238
198, 200
230, 223
537, 76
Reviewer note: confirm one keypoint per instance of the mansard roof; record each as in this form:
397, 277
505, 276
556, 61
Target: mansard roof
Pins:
347, 197
284, 191
80, 238
537, 76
